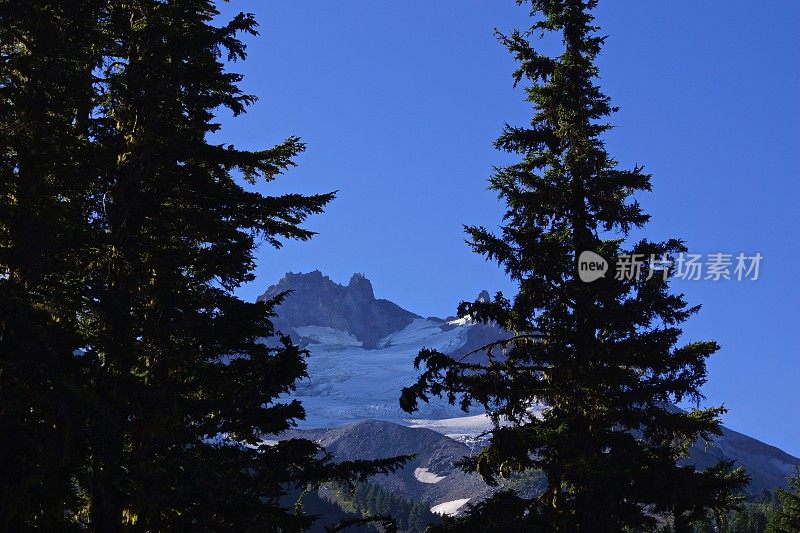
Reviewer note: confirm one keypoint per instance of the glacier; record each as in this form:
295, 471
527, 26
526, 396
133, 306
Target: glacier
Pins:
348, 382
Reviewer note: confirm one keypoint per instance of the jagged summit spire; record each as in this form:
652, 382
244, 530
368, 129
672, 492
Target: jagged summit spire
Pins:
356, 277
316, 300
361, 286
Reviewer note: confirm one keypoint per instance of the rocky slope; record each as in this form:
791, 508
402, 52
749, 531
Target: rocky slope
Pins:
430, 476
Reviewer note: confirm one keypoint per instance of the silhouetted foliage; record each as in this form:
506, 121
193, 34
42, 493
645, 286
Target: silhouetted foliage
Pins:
136, 387
370, 500
751, 517
600, 358
46, 60
786, 517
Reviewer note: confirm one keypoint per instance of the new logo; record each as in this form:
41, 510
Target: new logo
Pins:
591, 266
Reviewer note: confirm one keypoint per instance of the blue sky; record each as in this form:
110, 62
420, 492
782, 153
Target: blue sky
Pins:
399, 103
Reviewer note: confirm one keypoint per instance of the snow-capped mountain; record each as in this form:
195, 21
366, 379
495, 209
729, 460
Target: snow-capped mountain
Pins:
362, 353
363, 349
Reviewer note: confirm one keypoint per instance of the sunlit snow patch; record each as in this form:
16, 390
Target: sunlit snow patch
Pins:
423, 333
327, 336
426, 476
462, 425
463, 321
449, 508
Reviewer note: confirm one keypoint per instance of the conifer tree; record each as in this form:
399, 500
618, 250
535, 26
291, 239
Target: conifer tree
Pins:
786, 518
45, 93
585, 386
174, 381
189, 388
419, 518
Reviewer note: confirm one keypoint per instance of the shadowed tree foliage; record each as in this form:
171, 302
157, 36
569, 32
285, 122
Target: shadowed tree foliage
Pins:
46, 59
370, 500
786, 518
586, 385
140, 387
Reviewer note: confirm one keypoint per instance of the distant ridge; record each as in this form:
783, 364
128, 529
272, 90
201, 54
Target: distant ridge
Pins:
362, 353
316, 300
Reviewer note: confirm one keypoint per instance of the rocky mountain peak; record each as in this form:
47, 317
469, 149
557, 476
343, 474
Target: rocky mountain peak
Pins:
316, 300
361, 287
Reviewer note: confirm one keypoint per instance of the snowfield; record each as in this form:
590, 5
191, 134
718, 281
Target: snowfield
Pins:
327, 336
472, 426
348, 383
466, 429
424, 475
449, 508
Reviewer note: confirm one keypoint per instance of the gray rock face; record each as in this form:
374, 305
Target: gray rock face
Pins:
435, 455
768, 466
315, 300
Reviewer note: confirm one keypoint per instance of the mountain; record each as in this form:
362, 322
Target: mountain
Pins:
363, 348
430, 476
318, 301
362, 352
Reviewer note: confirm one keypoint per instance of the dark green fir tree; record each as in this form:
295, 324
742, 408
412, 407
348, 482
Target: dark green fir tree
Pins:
124, 233
786, 518
585, 386
46, 60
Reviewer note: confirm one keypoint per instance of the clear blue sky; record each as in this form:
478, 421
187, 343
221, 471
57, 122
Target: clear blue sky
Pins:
399, 103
